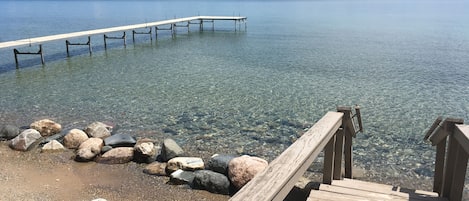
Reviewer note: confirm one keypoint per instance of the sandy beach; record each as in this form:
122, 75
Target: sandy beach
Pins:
55, 176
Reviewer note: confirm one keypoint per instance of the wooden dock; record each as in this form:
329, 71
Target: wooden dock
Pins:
333, 134
173, 25
43, 39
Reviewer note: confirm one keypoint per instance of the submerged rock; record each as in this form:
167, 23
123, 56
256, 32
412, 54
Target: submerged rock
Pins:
9, 132
242, 169
46, 127
211, 181
25, 139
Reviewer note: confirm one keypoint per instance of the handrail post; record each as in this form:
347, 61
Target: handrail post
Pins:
451, 157
328, 161
349, 132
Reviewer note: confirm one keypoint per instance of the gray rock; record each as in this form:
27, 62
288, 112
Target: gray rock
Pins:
156, 168
89, 149
105, 149
180, 177
46, 127
120, 140
211, 181
25, 139
170, 149
97, 130
145, 152
117, 155
9, 132
219, 163
53, 146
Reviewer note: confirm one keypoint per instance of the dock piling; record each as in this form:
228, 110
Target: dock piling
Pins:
123, 37
135, 32
40, 52
68, 43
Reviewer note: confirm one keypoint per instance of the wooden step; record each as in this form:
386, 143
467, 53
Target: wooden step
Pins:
351, 190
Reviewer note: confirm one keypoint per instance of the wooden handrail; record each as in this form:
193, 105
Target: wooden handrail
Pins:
276, 181
451, 139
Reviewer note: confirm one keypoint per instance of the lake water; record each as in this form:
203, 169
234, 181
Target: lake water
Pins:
251, 91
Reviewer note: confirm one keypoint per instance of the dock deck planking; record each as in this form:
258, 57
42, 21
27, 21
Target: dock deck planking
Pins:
43, 39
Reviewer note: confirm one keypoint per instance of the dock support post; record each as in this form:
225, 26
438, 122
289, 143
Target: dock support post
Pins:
40, 52
124, 37
135, 32
68, 43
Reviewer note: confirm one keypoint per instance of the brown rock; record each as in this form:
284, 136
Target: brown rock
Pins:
242, 169
98, 130
145, 152
117, 155
156, 168
74, 138
46, 127
88, 150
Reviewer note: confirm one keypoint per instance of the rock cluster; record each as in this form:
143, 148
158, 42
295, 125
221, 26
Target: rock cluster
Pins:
223, 174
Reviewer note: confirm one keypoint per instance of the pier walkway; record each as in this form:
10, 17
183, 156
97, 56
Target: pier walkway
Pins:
170, 25
333, 133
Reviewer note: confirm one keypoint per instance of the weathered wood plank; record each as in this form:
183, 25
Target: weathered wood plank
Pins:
338, 152
280, 176
462, 135
450, 163
435, 125
112, 29
328, 161
439, 166
459, 175
349, 189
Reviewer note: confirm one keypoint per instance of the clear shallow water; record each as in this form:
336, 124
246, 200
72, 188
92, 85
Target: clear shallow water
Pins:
254, 91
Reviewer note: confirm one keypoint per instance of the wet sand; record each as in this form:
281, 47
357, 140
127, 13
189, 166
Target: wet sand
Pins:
55, 176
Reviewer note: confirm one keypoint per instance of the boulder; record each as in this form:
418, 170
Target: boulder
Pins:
74, 138
53, 146
25, 139
156, 168
120, 140
180, 177
145, 152
219, 163
46, 127
170, 149
242, 169
9, 132
88, 150
117, 155
185, 163
97, 130
211, 181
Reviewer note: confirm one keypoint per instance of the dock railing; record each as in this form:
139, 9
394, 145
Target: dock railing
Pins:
451, 138
333, 133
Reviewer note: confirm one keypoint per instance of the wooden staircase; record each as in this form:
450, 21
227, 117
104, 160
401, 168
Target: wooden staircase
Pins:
354, 190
